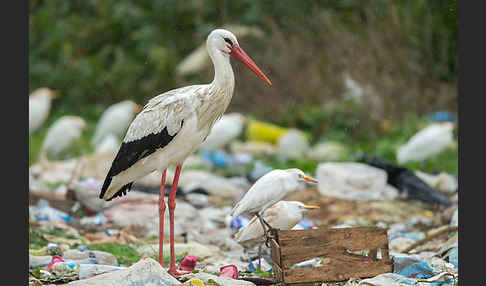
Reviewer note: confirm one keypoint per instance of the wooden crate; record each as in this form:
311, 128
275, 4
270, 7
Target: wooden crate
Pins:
335, 245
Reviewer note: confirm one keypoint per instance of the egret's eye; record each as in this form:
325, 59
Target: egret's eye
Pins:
228, 41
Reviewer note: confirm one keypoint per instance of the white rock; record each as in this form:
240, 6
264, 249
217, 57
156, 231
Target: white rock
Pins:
292, 144
354, 181
145, 272
426, 143
90, 270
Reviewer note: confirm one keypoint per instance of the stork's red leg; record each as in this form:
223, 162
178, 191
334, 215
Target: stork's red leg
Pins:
161, 219
172, 204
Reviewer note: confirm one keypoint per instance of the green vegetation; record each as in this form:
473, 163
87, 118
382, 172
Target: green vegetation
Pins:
100, 52
36, 240
125, 254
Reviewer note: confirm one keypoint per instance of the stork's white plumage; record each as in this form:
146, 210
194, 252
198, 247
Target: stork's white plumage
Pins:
224, 130
63, 133
39, 107
270, 189
173, 125
282, 215
115, 120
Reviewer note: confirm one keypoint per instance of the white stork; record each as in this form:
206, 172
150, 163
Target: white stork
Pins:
268, 190
115, 120
172, 125
39, 106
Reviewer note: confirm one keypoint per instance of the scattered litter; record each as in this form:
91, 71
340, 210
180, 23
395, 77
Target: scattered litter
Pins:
412, 268
393, 279
408, 183
443, 116
188, 263
98, 219
314, 262
453, 257
265, 132
254, 265
305, 224
443, 182
230, 271
354, 181
238, 222
218, 158
145, 272
44, 212
455, 219
193, 282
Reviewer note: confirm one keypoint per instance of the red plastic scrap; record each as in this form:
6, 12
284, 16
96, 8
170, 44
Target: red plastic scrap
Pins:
230, 271
188, 263
55, 259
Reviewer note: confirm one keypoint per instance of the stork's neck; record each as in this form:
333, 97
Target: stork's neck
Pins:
224, 78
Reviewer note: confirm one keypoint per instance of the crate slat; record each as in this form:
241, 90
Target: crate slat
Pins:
335, 245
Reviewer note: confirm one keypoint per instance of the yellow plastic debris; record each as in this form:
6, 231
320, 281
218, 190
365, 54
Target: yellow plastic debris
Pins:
193, 282
266, 132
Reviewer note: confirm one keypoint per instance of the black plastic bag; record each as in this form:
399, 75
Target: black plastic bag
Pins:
407, 182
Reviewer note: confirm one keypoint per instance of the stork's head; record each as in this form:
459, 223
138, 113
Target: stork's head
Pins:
224, 42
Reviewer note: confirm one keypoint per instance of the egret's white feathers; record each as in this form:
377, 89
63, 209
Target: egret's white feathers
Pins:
267, 190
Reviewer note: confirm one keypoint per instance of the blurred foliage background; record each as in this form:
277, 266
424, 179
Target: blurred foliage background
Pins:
402, 54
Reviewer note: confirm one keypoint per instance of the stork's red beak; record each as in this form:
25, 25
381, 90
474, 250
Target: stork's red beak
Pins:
241, 56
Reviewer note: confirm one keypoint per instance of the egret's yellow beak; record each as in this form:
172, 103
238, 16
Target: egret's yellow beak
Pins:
138, 108
311, 207
309, 179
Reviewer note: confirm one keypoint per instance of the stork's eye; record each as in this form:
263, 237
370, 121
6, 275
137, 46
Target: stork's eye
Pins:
228, 41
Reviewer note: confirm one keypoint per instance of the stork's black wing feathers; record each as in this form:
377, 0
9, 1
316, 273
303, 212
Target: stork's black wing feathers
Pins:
130, 153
